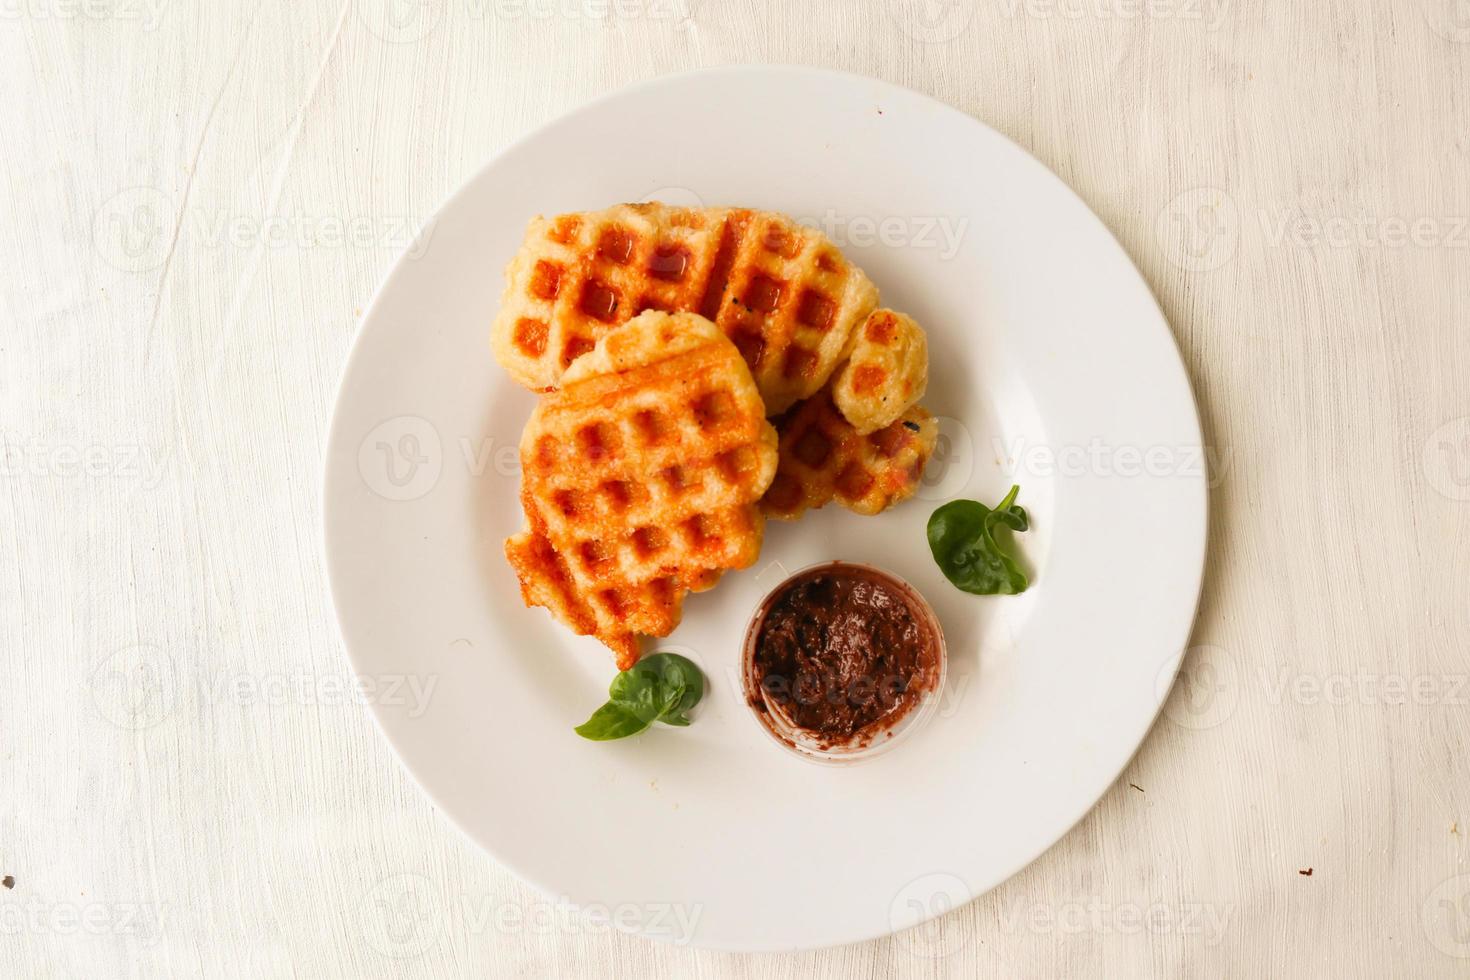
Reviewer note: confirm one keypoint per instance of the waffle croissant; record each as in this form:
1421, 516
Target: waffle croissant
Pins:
885, 371
824, 457
782, 292
640, 480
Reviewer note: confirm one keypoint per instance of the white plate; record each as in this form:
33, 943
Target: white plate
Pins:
1053, 368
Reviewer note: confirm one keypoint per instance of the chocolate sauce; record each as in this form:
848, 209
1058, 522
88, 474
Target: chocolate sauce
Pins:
844, 652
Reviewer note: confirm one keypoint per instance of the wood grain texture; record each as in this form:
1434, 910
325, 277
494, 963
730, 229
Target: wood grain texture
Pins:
198, 200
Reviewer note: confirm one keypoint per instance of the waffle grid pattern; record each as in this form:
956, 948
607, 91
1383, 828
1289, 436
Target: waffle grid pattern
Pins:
823, 457
790, 303
640, 487
885, 370
782, 292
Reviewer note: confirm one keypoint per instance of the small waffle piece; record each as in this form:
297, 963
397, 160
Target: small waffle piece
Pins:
886, 371
823, 457
640, 480
782, 292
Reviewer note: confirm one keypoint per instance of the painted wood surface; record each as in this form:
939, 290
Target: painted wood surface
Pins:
199, 199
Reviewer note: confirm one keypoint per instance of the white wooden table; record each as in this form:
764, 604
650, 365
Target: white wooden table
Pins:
198, 200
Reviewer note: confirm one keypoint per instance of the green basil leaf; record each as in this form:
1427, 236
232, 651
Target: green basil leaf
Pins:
1007, 513
962, 538
677, 674
639, 691
661, 687
1014, 518
612, 720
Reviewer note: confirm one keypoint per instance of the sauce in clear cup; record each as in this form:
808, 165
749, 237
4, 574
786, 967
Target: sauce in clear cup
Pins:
841, 660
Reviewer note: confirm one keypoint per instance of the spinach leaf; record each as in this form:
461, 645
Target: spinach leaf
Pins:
612, 720
677, 673
642, 693
662, 687
962, 539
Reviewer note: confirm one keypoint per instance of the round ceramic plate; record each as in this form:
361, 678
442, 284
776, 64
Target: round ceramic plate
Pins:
1051, 367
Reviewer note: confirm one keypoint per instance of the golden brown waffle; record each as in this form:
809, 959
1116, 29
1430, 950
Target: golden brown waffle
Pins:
824, 458
782, 292
885, 371
640, 480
